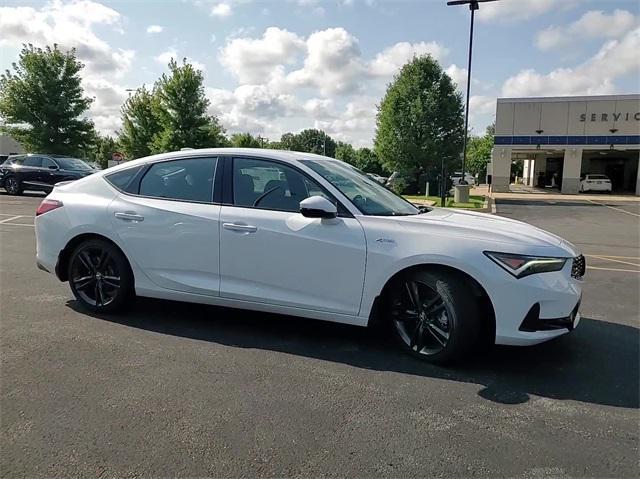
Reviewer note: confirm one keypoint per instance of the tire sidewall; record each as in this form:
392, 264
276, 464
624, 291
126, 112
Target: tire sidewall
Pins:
126, 290
462, 309
17, 190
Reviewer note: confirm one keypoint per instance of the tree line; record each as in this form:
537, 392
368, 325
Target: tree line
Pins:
419, 125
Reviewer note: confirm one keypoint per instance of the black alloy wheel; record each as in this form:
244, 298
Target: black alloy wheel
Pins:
12, 185
435, 315
100, 276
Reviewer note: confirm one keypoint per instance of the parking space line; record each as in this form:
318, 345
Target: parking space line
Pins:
10, 219
610, 256
614, 208
604, 258
614, 269
17, 224
13, 214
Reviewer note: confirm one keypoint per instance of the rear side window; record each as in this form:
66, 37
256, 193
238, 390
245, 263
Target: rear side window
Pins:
189, 179
122, 179
33, 161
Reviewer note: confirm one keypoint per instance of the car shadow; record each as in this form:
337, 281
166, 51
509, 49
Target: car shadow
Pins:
597, 363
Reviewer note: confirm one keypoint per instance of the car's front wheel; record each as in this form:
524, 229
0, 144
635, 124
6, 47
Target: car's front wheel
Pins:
434, 315
100, 276
13, 186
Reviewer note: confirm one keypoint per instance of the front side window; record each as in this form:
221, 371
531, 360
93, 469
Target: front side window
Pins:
68, 163
189, 179
367, 195
47, 163
270, 185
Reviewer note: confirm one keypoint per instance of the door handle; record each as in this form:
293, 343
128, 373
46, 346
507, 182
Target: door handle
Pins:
129, 216
240, 228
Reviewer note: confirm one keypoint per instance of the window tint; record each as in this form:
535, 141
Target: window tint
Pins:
189, 179
121, 179
47, 163
270, 185
33, 161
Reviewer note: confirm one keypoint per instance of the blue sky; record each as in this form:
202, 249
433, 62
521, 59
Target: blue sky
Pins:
277, 66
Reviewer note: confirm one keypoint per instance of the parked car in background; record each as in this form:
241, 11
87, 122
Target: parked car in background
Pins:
457, 176
595, 183
40, 172
309, 236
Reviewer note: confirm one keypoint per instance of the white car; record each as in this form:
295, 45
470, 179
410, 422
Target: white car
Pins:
595, 183
309, 236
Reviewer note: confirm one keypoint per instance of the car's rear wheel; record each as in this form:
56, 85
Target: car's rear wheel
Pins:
13, 186
100, 276
434, 315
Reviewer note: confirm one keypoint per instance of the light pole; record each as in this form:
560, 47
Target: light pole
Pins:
462, 194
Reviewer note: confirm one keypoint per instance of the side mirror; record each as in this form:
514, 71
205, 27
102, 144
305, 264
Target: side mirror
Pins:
53, 167
318, 207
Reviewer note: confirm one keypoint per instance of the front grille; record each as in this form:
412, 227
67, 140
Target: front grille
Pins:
578, 267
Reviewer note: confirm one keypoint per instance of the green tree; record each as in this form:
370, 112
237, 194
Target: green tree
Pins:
103, 148
42, 102
314, 141
245, 140
140, 123
367, 160
479, 152
420, 120
182, 111
346, 153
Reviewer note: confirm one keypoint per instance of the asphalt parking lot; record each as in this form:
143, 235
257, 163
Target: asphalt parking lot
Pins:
173, 389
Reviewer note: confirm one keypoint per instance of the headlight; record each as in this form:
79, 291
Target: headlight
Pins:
522, 265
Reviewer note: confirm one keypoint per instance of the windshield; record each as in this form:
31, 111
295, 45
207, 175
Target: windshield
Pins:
367, 195
67, 163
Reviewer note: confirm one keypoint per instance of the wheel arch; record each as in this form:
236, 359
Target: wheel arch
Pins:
62, 266
376, 315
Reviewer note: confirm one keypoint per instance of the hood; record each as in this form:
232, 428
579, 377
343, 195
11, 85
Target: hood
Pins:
483, 226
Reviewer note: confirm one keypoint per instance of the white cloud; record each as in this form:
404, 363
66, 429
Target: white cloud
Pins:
595, 76
70, 26
221, 10
389, 61
165, 57
154, 29
516, 10
333, 64
593, 24
256, 60
356, 123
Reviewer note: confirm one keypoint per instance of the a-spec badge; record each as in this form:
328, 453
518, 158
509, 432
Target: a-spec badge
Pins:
386, 240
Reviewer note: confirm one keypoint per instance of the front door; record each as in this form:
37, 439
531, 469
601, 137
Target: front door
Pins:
270, 253
171, 226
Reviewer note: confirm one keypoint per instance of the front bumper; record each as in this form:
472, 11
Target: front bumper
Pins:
533, 322
536, 308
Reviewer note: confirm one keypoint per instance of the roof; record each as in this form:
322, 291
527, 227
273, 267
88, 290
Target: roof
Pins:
266, 153
553, 99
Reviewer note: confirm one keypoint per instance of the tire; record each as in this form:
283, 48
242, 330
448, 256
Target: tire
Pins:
100, 277
13, 186
446, 325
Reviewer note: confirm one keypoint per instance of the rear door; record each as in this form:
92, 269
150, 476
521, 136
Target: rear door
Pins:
30, 171
272, 254
169, 224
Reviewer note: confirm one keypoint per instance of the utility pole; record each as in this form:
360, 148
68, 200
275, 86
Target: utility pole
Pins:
462, 189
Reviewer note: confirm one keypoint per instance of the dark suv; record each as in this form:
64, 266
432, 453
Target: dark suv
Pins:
40, 172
